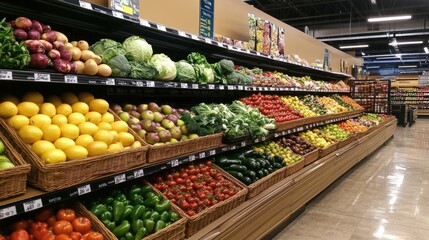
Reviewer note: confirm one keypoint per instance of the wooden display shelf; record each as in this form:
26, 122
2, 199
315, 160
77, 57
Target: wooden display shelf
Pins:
262, 215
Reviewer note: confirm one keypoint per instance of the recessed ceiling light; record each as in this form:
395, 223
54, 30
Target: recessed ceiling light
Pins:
391, 18
407, 66
354, 46
395, 43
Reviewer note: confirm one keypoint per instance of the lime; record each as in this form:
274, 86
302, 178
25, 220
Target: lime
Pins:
3, 158
2, 148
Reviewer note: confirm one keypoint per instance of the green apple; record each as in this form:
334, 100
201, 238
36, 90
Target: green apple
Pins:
4, 165
3, 158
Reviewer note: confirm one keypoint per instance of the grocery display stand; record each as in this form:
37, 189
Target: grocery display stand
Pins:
374, 96
290, 194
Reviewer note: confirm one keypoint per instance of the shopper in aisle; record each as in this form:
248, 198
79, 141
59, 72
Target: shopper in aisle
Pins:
383, 197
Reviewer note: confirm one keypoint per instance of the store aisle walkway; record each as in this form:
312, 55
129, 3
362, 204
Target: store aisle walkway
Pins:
386, 196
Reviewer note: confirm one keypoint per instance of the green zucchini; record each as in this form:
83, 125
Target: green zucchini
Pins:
238, 168
235, 174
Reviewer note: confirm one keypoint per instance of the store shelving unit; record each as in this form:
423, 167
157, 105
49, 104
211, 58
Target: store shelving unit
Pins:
415, 97
86, 17
374, 96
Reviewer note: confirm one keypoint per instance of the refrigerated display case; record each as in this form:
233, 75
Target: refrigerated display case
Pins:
374, 96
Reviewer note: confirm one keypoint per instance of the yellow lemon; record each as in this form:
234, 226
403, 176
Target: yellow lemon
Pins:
115, 136
41, 146
76, 118
94, 117
28, 109
63, 143
85, 97
69, 131
54, 99
69, 98
53, 156
107, 117
115, 147
98, 105
76, 152
103, 136
97, 148
104, 126
126, 139
80, 107
40, 120
10, 98
8, 109
136, 144
34, 97
59, 119
64, 109
48, 109
30, 134
83, 140
18, 121
88, 128
51, 132
119, 126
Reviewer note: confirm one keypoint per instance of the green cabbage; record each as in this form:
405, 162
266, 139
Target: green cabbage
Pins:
166, 68
141, 70
105, 43
185, 72
120, 66
139, 48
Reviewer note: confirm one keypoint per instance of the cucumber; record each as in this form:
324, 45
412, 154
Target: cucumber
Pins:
246, 180
249, 173
260, 174
238, 168
278, 159
235, 161
270, 169
235, 174
220, 158
265, 172
250, 163
223, 162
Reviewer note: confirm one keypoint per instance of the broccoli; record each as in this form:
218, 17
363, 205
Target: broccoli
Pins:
142, 70
192, 125
227, 66
120, 66
237, 77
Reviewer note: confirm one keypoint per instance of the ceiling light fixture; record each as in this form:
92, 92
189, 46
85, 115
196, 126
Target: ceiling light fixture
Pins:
387, 19
372, 67
354, 46
373, 2
407, 66
426, 49
395, 43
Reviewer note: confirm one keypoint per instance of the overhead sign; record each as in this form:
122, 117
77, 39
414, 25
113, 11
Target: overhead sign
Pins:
206, 18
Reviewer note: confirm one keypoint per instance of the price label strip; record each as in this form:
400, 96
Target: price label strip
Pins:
118, 14
6, 75
138, 173
42, 77
195, 86
150, 83
7, 212
202, 155
191, 158
70, 79
86, 5
184, 85
174, 162
212, 152
161, 28
32, 205
120, 178
84, 189
243, 144
144, 23
183, 34
110, 81
211, 86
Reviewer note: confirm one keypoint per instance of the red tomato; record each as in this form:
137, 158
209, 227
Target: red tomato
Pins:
51, 221
93, 236
44, 214
20, 234
82, 225
2, 237
66, 214
23, 224
62, 226
49, 236
76, 236
39, 230
62, 237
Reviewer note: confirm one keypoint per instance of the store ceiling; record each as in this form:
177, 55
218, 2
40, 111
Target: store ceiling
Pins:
345, 22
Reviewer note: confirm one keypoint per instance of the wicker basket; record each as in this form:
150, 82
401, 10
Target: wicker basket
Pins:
172, 150
174, 231
291, 169
325, 151
204, 218
346, 142
51, 177
13, 181
361, 134
97, 225
311, 157
290, 124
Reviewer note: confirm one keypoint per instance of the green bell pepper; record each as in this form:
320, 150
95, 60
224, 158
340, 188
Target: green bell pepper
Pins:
149, 224
127, 212
97, 210
163, 205
164, 216
129, 236
137, 225
159, 225
122, 229
118, 210
106, 216
109, 224
136, 199
149, 195
140, 233
134, 191
145, 190
120, 197
138, 210
154, 216
151, 200
109, 208
173, 216
109, 200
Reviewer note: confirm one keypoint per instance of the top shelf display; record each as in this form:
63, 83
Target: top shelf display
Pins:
92, 18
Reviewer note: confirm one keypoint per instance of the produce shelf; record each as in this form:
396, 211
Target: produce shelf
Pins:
92, 17
35, 199
48, 76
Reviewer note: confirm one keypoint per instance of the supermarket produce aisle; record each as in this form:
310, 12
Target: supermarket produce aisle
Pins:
386, 196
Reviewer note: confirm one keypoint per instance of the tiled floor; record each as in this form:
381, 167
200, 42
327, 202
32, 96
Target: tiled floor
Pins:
386, 196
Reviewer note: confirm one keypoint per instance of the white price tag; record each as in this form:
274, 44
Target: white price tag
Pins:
212, 152
265, 88
264, 138
139, 84
70, 79
211, 86
247, 51
144, 23
32, 205
7, 212
120, 178
194, 37
230, 47
6, 75
195, 86
84, 189
202, 155
208, 40
240, 88
161, 28
258, 53
110, 81
150, 84
230, 87
220, 44
184, 85
276, 134
233, 147
42, 77
118, 14
191, 158
174, 162
257, 140
221, 87
182, 34
86, 5
138, 173
243, 144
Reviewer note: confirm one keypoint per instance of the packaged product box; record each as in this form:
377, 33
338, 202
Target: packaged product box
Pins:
130, 7
274, 49
252, 31
281, 42
260, 23
267, 38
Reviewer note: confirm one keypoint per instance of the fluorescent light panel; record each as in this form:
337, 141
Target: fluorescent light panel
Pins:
407, 66
405, 43
372, 67
354, 46
391, 18
426, 49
